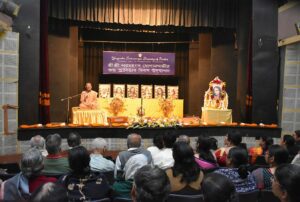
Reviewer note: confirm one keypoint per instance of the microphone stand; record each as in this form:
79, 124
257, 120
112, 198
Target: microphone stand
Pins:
68, 104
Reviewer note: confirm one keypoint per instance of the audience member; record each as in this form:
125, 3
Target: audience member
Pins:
265, 142
237, 171
296, 160
19, 187
98, 162
290, 144
39, 142
231, 140
83, 184
204, 156
50, 192
55, 162
151, 185
296, 136
275, 156
185, 176
158, 144
218, 188
134, 148
184, 138
74, 140
213, 143
164, 158
123, 185
286, 183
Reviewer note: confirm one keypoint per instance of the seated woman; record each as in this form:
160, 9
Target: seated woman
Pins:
286, 183
231, 140
204, 157
185, 176
216, 183
290, 144
275, 156
20, 187
83, 184
237, 171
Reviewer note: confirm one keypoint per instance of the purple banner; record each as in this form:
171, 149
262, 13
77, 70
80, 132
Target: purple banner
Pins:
138, 63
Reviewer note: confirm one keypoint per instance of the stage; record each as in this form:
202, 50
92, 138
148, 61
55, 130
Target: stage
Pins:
113, 132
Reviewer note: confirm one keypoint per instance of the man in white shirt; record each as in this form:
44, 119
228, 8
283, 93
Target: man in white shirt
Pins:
164, 158
98, 162
134, 147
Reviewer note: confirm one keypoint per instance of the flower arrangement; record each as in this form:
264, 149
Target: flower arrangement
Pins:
155, 123
166, 106
116, 106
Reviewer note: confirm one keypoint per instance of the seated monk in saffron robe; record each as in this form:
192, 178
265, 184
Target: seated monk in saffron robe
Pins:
88, 98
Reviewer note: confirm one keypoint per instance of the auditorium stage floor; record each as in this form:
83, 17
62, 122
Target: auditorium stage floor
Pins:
93, 132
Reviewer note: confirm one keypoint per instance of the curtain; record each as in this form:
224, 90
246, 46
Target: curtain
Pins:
249, 80
44, 96
185, 13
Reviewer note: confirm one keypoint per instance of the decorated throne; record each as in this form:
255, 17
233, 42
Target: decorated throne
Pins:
215, 109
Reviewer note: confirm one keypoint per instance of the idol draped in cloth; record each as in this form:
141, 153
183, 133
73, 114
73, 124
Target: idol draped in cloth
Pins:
88, 98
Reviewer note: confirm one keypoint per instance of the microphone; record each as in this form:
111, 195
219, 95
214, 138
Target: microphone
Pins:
62, 100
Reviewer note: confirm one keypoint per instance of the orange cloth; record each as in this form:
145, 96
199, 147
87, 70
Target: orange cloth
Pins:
254, 152
88, 100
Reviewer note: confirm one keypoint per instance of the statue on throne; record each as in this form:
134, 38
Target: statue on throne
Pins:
216, 97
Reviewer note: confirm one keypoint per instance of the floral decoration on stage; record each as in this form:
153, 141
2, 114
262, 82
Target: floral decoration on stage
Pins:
116, 106
166, 106
154, 123
216, 97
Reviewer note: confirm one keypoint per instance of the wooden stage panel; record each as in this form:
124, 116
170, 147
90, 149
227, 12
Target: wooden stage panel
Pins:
93, 132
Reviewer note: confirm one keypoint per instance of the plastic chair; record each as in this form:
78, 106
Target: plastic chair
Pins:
248, 196
185, 198
109, 177
102, 200
4, 177
117, 199
12, 168
268, 196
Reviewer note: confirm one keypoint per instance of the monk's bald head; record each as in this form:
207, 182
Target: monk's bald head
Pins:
134, 140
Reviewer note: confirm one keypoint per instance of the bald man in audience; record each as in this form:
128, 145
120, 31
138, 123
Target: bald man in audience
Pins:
134, 147
88, 98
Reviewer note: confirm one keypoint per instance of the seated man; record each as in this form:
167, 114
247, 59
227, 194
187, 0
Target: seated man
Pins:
20, 187
98, 162
39, 143
134, 147
55, 162
88, 98
164, 158
74, 140
151, 184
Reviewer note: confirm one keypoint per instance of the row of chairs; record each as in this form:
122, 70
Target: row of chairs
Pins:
256, 196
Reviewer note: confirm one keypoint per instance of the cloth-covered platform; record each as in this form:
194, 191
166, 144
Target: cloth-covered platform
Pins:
109, 132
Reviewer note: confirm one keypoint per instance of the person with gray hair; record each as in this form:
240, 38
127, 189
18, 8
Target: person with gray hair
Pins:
55, 162
98, 162
184, 138
134, 147
39, 143
19, 187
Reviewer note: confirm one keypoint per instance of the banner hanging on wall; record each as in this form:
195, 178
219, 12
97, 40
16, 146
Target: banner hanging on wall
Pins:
138, 63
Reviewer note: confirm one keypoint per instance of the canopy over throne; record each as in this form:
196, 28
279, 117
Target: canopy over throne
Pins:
216, 97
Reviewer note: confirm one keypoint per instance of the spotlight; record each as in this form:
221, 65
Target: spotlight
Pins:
9, 8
